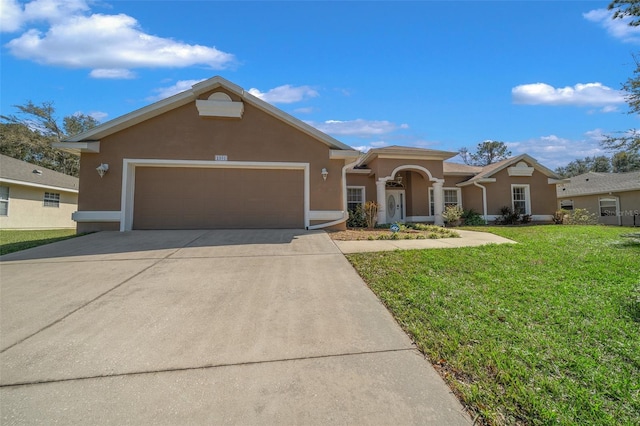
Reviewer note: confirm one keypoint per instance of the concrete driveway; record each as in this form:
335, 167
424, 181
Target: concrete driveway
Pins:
205, 327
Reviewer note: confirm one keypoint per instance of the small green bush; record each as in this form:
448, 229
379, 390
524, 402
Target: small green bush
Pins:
472, 218
357, 218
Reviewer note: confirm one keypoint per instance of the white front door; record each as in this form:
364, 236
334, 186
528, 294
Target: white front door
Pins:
396, 211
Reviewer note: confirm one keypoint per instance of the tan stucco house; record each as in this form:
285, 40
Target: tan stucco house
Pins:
33, 197
613, 197
414, 185
216, 156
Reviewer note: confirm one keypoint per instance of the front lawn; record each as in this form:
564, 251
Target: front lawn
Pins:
544, 331
16, 240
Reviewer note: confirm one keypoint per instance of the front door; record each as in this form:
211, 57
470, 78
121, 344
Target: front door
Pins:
395, 205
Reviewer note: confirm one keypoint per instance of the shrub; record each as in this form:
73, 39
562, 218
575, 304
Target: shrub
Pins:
508, 216
558, 216
472, 218
581, 217
452, 214
357, 218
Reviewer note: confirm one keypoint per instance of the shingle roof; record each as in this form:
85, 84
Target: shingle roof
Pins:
457, 168
27, 173
599, 183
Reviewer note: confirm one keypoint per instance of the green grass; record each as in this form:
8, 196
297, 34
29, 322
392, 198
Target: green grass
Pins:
546, 331
11, 241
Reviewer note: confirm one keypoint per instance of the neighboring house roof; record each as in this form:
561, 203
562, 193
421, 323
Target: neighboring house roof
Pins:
23, 173
87, 140
488, 171
599, 183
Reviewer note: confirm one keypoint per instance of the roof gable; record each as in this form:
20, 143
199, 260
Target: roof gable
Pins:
20, 172
191, 95
492, 169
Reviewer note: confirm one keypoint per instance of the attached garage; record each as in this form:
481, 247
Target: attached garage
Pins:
211, 157
212, 198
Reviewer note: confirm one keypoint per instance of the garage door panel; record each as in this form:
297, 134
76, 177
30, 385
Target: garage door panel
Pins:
200, 198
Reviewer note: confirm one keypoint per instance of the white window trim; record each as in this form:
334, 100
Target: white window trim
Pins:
527, 195
459, 196
364, 194
55, 199
601, 199
7, 200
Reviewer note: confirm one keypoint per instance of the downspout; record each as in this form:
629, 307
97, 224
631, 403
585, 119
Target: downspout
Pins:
484, 200
345, 213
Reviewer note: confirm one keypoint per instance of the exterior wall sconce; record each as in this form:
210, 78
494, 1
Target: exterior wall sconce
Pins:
102, 169
325, 173
399, 179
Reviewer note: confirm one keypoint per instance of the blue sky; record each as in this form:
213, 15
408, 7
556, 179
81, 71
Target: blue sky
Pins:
542, 76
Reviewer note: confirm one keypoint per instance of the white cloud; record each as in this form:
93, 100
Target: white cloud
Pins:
285, 94
589, 94
98, 115
304, 110
11, 17
109, 44
118, 73
618, 28
553, 151
359, 127
179, 86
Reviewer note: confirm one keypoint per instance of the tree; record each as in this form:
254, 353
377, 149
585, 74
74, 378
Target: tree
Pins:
630, 140
600, 164
487, 152
625, 161
28, 136
626, 9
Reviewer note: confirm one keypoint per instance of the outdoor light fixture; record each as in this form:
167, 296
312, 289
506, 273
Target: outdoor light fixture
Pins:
325, 173
102, 169
399, 179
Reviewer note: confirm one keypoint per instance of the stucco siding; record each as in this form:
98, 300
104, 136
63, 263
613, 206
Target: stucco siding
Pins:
26, 209
542, 194
181, 134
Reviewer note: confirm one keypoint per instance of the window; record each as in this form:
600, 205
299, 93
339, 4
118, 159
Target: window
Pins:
566, 204
452, 197
520, 199
51, 199
4, 200
608, 207
355, 196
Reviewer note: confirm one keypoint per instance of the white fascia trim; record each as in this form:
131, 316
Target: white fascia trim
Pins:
325, 214
91, 147
482, 180
359, 171
38, 185
299, 124
129, 178
96, 216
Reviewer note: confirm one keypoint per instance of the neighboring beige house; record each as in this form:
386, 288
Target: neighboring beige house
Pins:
215, 156
32, 197
613, 197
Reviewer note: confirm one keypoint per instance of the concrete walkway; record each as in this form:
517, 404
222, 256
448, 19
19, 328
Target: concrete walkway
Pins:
467, 239
205, 327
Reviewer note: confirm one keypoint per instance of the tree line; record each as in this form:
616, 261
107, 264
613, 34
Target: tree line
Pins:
29, 134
